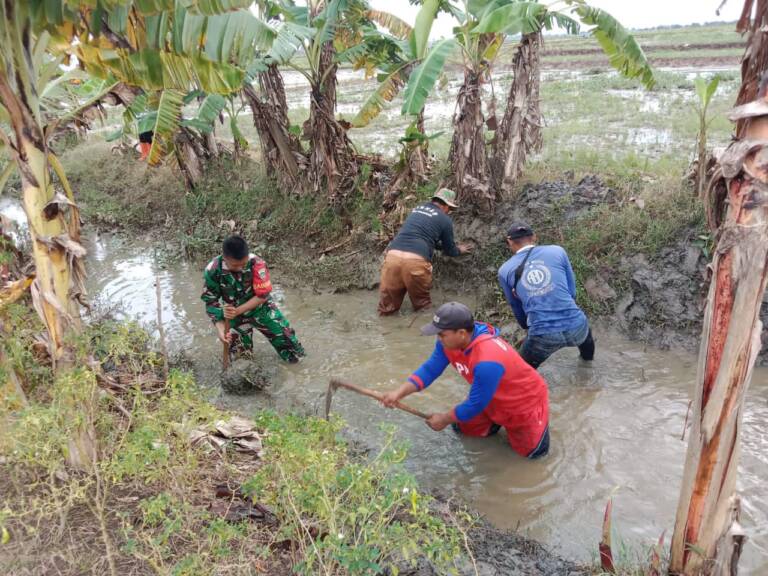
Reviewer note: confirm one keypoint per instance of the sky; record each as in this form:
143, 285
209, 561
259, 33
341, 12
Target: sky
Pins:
631, 13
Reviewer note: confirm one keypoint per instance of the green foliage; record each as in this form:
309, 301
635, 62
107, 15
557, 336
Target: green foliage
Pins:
422, 80
623, 51
369, 517
705, 90
207, 114
514, 18
167, 123
39, 434
19, 326
423, 27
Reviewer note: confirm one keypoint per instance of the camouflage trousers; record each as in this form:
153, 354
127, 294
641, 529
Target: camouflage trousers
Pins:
268, 320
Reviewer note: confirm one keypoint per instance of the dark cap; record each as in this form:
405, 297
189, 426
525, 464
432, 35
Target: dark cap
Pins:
519, 230
450, 316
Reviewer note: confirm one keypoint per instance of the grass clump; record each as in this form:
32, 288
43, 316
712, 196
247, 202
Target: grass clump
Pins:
151, 501
118, 190
369, 515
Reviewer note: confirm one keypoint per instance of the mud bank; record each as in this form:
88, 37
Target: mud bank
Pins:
653, 289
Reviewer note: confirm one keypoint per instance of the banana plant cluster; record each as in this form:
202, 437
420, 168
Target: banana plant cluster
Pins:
159, 46
482, 28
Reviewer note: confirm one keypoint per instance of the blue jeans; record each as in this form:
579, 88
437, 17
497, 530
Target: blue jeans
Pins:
538, 348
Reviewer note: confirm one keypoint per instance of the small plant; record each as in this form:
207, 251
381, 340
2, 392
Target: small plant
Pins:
705, 90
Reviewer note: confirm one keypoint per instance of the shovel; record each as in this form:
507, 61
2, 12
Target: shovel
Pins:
336, 384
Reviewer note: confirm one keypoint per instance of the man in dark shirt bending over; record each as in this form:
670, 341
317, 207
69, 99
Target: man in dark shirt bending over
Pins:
407, 264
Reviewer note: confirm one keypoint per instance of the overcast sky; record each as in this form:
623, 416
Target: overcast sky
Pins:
631, 13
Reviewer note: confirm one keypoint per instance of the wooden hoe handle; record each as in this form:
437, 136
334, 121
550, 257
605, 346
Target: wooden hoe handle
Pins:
225, 356
336, 383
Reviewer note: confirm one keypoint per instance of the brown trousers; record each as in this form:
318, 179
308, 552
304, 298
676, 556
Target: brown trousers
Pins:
411, 274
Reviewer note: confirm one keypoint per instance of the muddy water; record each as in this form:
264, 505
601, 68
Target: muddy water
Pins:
616, 424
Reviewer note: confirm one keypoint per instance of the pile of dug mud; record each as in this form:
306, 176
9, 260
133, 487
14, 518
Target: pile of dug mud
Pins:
661, 304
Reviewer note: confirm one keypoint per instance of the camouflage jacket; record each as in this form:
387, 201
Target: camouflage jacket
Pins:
222, 286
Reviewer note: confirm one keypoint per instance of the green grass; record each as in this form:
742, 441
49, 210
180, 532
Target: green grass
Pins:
734, 54
149, 504
711, 34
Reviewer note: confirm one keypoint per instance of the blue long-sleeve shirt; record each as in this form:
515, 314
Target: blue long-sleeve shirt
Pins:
546, 291
485, 381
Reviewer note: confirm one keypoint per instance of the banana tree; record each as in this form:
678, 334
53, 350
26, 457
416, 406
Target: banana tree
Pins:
264, 91
327, 34
484, 25
708, 538
467, 156
520, 131
395, 72
122, 41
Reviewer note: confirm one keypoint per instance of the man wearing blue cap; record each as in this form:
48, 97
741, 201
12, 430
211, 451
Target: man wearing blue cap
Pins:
539, 284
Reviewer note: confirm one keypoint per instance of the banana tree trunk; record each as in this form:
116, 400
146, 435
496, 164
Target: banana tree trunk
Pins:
708, 538
55, 253
412, 167
56, 250
280, 149
468, 157
332, 162
520, 131
211, 147
755, 59
418, 155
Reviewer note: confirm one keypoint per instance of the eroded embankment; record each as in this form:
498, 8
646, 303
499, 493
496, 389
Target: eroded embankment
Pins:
639, 251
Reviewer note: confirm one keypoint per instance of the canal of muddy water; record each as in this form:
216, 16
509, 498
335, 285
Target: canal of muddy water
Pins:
616, 423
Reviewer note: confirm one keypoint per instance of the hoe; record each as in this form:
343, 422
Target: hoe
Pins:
335, 384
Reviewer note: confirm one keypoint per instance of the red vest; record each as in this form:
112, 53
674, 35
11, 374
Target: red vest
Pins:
521, 391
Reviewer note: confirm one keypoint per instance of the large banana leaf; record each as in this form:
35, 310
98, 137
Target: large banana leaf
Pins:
135, 108
207, 114
386, 92
207, 7
397, 27
166, 125
147, 122
236, 37
159, 70
423, 27
623, 51
423, 78
213, 7
290, 37
516, 18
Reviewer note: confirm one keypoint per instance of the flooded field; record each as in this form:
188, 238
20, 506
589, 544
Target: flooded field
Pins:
592, 112
616, 424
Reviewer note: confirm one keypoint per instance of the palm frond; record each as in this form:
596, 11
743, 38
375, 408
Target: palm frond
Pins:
422, 79
166, 125
623, 51
387, 90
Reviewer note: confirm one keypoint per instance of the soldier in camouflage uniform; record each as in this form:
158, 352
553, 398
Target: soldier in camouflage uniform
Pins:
237, 299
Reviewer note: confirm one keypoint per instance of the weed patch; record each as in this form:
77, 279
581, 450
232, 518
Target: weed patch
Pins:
154, 502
